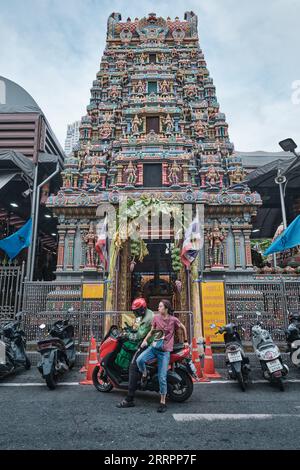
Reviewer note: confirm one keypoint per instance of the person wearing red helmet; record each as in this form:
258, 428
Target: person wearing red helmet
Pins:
130, 349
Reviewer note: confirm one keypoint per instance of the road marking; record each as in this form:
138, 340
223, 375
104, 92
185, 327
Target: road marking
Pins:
235, 382
36, 384
222, 417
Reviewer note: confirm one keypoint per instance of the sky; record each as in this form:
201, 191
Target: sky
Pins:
53, 48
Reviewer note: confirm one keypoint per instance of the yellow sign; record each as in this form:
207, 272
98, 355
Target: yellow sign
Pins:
92, 291
213, 308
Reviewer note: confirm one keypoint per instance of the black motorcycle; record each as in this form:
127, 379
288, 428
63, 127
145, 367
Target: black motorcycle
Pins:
237, 363
57, 350
13, 348
293, 338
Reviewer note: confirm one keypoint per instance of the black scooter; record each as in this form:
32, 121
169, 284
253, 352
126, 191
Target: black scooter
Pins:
12, 348
57, 350
293, 338
237, 363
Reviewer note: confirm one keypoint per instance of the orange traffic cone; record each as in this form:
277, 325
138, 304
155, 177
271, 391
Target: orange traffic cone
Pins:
209, 366
196, 360
84, 368
92, 363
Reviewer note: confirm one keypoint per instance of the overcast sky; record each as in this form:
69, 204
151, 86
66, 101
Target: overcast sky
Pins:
53, 49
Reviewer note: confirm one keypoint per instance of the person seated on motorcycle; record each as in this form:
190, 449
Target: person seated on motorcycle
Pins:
166, 323
132, 338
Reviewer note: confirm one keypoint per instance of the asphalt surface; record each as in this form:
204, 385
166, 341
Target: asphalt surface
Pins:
217, 416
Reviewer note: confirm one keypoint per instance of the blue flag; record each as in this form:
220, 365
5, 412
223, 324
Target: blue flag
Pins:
288, 239
13, 244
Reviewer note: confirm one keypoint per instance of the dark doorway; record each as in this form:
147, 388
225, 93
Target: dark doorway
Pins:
152, 58
152, 123
152, 175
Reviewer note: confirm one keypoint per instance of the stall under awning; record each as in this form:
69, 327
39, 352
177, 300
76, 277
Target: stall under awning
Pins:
6, 178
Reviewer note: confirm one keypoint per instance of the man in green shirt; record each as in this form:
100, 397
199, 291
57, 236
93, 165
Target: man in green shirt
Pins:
139, 307
134, 337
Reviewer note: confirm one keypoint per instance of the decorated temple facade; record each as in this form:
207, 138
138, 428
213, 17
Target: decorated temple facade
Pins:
154, 129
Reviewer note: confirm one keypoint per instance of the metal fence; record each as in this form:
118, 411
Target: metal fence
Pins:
11, 288
47, 302
273, 299
86, 323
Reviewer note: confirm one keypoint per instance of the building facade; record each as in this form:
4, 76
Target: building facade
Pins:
154, 128
72, 138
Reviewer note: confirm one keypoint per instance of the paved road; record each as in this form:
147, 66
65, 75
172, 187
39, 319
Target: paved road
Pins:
218, 416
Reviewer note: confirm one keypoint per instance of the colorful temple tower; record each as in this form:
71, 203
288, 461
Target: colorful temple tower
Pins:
153, 128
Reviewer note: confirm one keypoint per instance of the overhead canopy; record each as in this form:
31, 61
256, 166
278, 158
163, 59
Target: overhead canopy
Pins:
10, 160
14, 99
264, 176
6, 178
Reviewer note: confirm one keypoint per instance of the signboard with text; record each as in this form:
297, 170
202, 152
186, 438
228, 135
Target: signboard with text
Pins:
213, 308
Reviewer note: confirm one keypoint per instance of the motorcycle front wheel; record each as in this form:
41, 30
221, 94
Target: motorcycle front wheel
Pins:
182, 391
99, 381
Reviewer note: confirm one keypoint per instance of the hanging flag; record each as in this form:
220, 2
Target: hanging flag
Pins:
192, 244
288, 239
13, 244
101, 244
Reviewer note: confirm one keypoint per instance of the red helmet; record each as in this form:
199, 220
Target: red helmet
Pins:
139, 303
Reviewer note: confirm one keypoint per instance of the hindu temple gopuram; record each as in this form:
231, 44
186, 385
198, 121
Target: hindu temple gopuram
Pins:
154, 129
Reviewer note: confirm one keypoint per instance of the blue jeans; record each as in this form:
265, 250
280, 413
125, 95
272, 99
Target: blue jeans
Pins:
163, 358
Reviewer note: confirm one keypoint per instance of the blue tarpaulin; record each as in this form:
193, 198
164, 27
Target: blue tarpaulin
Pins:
288, 239
13, 244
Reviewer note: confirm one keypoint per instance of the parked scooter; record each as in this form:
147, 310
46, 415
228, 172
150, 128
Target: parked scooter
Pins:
179, 377
57, 350
237, 363
268, 354
13, 348
293, 338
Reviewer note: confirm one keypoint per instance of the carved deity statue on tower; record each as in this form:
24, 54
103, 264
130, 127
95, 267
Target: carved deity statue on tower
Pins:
216, 237
130, 173
136, 124
90, 240
174, 173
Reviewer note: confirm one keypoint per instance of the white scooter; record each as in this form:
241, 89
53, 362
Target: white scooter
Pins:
268, 354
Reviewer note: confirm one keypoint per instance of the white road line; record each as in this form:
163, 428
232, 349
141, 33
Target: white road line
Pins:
222, 417
35, 384
235, 382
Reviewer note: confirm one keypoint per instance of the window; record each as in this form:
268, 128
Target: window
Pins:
152, 123
152, 175
152, 58
152, 87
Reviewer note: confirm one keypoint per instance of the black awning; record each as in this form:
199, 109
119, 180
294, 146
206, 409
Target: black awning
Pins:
264, 176
12, 160
5, 178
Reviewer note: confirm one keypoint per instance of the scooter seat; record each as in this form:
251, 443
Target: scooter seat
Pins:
178, 347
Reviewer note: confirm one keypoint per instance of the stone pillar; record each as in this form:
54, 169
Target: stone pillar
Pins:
71, 240
237, 247
140, 174
119, 174
225, 251
185, 174
165, 174
247, 234
84, 228
61, 249
206, 251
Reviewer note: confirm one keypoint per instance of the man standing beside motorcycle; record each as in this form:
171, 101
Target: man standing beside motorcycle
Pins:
131, 345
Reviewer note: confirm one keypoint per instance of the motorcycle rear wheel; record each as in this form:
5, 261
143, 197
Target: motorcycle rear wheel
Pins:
51, 379
184, 391
281, 384
27, 362
100, 384
241, 382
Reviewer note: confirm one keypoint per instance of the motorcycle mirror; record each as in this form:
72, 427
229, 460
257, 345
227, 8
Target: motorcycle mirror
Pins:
42, 326
71, 310
212, 326
258, 314
239, 316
